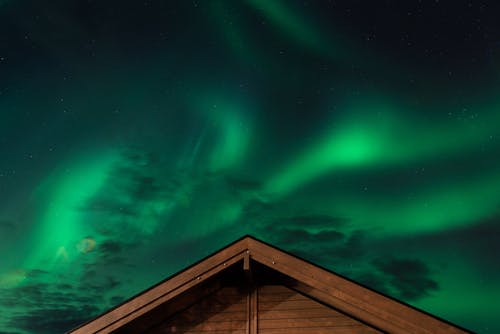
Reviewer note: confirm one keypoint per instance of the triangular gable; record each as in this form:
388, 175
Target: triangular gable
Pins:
336, 292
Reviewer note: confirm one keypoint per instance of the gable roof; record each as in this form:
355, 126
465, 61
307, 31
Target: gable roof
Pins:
331, 289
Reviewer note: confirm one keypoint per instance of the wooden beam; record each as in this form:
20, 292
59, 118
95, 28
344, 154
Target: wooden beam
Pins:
246, 261
254, 307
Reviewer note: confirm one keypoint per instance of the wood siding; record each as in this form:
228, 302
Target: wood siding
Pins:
225, 311
284, 311
280, 310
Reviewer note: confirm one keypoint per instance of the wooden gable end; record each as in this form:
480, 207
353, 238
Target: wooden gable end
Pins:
250, 287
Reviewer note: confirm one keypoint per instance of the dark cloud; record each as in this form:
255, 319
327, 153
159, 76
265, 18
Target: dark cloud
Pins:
94, 279
294, 236
36, 273
477, 243
315, 221
373, 280
354, 246
255, 210
329, 241
7, 226
111, 251
41, 307
100, 284
242, 184
130, 195
115, 300
110, 206
325, 239
482, 240
34, 294
52, 320
111, 247
410, 279
294, 229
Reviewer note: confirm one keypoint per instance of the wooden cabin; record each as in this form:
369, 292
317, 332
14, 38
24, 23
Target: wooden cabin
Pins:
252, 287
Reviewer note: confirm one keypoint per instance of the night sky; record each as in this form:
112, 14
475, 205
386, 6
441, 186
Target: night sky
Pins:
137, 137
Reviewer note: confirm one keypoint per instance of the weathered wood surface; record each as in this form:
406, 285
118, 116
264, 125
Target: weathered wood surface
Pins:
282, 310
224, 311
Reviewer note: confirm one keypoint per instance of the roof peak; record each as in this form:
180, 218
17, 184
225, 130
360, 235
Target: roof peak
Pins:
321, 284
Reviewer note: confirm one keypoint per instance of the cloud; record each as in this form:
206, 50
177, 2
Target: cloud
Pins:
109, 247
324, 239
476, 244
482, 240
52, 320
7, 225
329, 241
115, 300
111, 251
49, 303
373, 280
42, 307
316, 221
410, 279
37, 273
242, 184
137, 195
255, 210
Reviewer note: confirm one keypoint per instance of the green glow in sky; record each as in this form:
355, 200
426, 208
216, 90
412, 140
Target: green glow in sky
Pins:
138, 137
293, 25
61, 226
378, 135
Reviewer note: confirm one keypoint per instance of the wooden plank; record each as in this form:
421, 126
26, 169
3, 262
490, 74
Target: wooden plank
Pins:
281, 297
230, 291
205, 326
211, 332
248, 314
273, 288
246, 261
309, 322
320, 330
213, 311
301, 304
389, 324
220, 306
254, 311
221, 316
292, 314
223, 310
285, 313
278, 292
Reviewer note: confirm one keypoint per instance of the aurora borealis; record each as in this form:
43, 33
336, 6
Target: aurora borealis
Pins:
137, 137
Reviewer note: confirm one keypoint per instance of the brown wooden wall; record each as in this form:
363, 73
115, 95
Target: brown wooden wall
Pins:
224, 311
280, 310
284, 311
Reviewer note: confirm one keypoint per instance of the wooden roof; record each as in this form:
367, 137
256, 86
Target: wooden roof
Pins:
378, 311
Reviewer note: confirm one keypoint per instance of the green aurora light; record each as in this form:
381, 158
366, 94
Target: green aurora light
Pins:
137, 141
